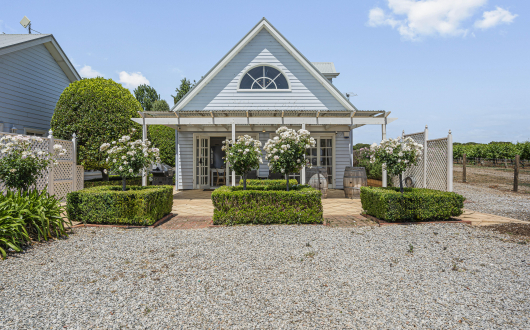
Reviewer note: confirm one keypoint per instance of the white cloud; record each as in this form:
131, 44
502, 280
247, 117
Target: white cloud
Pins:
88, 72
495, 17
415, 19
132, 80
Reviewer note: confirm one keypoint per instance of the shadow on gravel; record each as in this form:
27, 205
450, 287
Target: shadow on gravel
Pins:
518, 231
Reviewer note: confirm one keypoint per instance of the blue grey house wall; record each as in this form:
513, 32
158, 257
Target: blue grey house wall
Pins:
31, 82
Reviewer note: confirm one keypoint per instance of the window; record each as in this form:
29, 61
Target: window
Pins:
264, 78
36, 132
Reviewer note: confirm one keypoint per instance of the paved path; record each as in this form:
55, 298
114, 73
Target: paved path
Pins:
194, 209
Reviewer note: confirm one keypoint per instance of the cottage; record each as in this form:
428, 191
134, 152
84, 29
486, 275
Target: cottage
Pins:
34, 71
263, 83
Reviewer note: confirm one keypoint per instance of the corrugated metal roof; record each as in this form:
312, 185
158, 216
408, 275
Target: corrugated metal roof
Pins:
325, 67
7, 40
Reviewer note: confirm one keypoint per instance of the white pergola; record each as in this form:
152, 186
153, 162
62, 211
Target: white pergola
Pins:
262, 121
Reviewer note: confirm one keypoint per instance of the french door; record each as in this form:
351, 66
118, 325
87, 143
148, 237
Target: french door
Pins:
202, 162
320, 156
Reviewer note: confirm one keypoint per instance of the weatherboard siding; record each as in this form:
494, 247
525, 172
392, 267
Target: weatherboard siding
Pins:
342, 159
306, 92
30, 85
186, 160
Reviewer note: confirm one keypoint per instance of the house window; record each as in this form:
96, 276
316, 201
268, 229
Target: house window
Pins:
35, 132
264, 77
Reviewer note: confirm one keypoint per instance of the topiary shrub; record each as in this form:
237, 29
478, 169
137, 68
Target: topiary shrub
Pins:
110, 205
258, 205
97, 110
416, 204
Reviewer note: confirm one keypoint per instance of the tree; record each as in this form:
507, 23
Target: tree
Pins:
146, 95
160, 105
286, 151
185, 87
128, 158
96, 110
244, 155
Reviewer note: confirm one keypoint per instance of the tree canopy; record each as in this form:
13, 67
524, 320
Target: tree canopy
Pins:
146, 95
163, 137
183, 89
160, 105
97, 110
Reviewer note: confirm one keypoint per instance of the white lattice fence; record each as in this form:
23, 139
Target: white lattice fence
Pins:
62, 178
435, 169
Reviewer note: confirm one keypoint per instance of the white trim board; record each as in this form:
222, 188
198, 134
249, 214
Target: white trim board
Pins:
264, 24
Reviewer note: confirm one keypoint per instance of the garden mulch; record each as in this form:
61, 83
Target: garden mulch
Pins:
519, 232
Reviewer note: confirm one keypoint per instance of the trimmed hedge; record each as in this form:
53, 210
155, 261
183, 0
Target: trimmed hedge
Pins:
257, 182
416, 204
111, 205
119, 182
233, 206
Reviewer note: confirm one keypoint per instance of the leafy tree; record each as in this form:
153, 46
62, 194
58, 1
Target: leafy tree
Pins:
96, 110
160, 105
146, 95
185, 87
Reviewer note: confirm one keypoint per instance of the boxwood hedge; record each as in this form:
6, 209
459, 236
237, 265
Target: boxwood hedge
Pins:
416, 204
111, 205
260, 205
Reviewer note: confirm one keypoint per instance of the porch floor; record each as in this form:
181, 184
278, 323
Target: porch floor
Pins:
193, 209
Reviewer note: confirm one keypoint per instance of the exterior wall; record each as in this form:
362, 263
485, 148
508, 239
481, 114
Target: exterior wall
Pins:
221, 92
342, 158
30, 85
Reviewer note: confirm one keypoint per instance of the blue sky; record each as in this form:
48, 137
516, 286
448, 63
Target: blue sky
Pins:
452, 64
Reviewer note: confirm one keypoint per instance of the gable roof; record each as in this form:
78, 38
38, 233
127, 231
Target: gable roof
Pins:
13, 42
326, 68
264, 24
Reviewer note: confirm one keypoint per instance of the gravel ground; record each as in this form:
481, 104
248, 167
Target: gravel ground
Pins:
493, 201
276, 277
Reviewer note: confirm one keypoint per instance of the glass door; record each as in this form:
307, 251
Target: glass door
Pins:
322, 156
202, 162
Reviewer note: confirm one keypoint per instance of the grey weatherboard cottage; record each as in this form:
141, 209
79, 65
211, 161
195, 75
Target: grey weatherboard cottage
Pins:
262, 83
34, 71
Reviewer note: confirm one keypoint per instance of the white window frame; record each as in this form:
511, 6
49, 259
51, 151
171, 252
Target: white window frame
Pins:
228, 136
34, 131
318, 136
264, 90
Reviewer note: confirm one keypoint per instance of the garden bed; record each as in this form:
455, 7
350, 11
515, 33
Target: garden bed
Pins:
416, 204
266, 205
140, 206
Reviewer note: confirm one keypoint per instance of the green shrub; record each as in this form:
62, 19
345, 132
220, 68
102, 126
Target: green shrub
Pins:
233, 206
257, 182
111, 205
29, 215
113, 182
163, 138
97, 110
416, 204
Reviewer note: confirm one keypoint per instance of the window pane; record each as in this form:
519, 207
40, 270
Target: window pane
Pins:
271, 72
246, 82
257, 72
281, 82
323, 143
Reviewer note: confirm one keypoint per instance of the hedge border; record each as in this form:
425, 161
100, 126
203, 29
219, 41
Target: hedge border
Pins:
416, 204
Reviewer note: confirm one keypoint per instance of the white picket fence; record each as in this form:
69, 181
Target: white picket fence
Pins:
435, 169
64, 177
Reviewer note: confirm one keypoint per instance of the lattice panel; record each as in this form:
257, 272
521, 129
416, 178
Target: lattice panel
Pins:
80, 177
63, 171
437, 164
60, 189
69, 146
416, 172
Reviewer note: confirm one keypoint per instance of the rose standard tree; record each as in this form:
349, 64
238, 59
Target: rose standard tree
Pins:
286, 151
244, 155
128, 158
396, 156
21, 165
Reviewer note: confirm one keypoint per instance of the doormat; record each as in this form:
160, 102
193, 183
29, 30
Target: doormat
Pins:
386, 223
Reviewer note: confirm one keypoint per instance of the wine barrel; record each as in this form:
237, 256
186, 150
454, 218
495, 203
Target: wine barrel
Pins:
318, 181
354, 179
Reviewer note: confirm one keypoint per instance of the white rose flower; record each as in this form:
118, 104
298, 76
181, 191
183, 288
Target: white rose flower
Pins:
130, 170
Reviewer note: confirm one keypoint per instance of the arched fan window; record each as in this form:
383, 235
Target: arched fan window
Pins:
264, 77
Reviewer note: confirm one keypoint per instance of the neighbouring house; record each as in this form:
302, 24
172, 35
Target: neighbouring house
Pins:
263, 83
34, 71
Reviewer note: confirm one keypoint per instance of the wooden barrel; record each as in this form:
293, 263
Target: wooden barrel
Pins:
354, 179
318, 181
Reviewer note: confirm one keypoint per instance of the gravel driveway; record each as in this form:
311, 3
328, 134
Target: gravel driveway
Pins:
275, 277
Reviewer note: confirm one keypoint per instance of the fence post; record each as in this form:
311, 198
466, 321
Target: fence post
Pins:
50, 169
449, 161
425, 138
516, 174
74, 162
464, 163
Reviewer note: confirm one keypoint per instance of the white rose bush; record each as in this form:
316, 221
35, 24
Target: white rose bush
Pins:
21, 165
286, 152
128, 158
244, 155
396, 155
